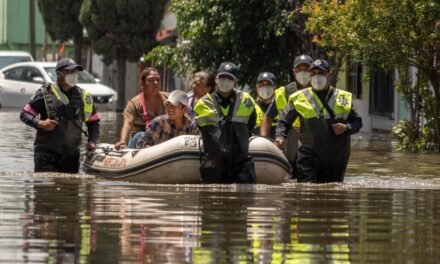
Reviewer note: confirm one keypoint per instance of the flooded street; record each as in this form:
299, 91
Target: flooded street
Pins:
387, 211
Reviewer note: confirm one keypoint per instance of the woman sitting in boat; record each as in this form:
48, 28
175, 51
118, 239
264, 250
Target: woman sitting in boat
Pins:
172, 124
142, 108
202, 83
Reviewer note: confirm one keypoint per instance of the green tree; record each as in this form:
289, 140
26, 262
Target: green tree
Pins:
391, 34
62, 23
121, 30
259, 35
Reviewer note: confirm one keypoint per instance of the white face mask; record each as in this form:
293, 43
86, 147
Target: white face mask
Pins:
266, 92
319, 82
303, 78
71, 79
225, 85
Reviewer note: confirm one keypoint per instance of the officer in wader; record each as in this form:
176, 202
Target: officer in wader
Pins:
301, 72
226, 118
57, 110
327, 119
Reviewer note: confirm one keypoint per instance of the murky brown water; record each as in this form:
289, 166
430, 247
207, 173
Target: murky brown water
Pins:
387, 211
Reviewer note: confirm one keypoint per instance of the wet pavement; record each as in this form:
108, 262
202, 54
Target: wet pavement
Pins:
387, 211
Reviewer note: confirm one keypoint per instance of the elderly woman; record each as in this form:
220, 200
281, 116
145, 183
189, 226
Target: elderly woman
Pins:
142, 108
202, 84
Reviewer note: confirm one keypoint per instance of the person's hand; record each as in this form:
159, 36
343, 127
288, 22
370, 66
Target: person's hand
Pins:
91, 146
120, 144
48, 124
279, 142
339, 128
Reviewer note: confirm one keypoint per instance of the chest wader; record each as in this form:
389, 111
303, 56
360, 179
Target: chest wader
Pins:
323, 155
226, 140
59, 148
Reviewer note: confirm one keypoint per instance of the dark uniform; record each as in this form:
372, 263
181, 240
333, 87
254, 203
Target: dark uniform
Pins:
275, 110
323, 155
58, 150
226, 124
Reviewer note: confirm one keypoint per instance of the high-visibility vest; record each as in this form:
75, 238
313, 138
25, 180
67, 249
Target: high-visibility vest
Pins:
308, 104
61, 98
281, 101
209, 112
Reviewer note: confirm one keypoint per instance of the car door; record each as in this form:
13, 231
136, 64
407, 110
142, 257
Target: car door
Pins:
18, 85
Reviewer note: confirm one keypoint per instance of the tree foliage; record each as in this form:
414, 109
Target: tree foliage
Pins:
256, 34
121, 30
61, 20
387, 34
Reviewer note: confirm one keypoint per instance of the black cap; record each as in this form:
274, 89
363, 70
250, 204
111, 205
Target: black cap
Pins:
320, 64
68, 64
227, 68
302, 59
266, 76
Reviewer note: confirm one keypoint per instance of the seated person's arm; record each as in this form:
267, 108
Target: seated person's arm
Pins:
129, 116
151, 135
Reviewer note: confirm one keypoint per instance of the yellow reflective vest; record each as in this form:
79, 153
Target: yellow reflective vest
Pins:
308, 104
61, 98
209, 112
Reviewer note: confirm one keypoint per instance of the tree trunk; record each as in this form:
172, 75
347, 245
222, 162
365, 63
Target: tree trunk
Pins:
121, 60
435, 81
78, 43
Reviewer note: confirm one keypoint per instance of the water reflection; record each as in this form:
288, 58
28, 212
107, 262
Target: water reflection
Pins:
86, 221
386, 212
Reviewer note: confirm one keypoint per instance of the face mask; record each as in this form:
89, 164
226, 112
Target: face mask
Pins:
71, 79
225, 85
266, 92
303, 78
319, 82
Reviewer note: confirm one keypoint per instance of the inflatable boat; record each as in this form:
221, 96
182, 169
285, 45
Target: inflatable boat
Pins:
177, 161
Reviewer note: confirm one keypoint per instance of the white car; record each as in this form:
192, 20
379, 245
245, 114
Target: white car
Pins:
19, 81
8, 57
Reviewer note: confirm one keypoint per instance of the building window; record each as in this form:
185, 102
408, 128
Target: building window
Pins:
355, 79
382, 94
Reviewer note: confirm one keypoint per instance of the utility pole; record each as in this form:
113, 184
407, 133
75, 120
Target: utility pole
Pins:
32, 28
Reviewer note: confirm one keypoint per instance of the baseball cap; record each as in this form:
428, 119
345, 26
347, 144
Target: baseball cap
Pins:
227, 68
266, 76
68, 64
177, 97
302, 59
320, 64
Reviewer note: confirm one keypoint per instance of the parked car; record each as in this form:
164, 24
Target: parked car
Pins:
18, 82
8, 57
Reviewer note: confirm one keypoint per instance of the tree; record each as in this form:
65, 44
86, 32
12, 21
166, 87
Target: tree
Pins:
390, 34
256, 34
121, 30
61, 19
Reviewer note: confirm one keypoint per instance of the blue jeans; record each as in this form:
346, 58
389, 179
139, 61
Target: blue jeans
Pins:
132, 142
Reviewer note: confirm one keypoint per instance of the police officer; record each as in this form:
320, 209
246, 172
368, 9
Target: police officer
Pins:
265, 93
226, 118
300, 69
57, 110
301, 72
327, 119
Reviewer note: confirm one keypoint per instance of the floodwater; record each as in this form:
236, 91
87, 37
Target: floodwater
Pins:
387, 211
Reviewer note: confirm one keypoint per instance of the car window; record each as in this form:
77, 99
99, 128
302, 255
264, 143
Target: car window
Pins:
8, 60
83, 76
14, 74
23, 74
29, 73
